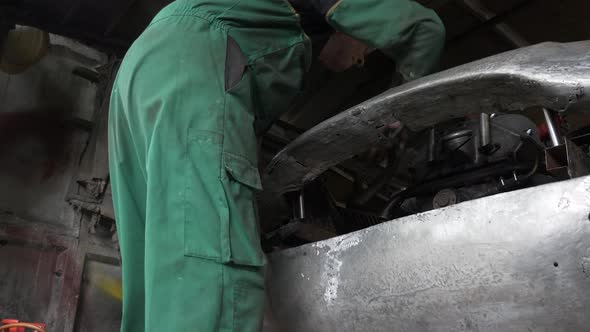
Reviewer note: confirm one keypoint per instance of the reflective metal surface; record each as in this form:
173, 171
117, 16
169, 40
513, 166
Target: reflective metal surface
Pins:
551, 75
518, 261
567, 160
484, 130
553, 131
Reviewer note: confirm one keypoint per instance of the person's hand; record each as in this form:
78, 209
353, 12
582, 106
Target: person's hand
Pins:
342, 52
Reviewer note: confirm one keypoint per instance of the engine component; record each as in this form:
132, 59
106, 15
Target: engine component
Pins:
563, 158
456, 140
444, 198
567, 160
351, 220
508, 137
484, 131
463, 168
553, 131
301, 206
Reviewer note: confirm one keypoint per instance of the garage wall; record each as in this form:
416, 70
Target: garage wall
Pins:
55, 248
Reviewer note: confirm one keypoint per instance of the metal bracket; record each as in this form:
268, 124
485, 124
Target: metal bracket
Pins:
567, 160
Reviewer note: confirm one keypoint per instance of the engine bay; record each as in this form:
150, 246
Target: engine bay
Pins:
503, 123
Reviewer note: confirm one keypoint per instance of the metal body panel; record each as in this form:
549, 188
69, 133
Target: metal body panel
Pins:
518, 261
551, 75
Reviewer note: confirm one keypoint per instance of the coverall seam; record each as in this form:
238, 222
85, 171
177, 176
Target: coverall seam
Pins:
228, 9
169, 17
235, 294
258, 55
161, 19
224, 291
223, 123
225, 244
192, 136
242, 157
144, 171
210, 258
151, 138
225, 237
241, 182
225, 206
212, 20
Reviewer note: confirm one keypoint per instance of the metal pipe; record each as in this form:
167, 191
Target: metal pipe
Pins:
393, 203
484, 123
478, 155
432, 145
301, 206
553, 132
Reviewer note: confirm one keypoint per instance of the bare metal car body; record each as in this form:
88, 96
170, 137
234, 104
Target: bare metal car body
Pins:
550, 75
516, 261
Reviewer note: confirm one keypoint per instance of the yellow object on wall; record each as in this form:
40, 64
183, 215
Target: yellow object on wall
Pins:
24, 46
110, 286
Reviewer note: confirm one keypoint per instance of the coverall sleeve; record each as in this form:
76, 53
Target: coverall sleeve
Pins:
410, 34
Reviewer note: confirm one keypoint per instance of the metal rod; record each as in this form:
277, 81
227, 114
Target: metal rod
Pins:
432, 145
478, 155
484, 123
553, 132
301, 205
393, 203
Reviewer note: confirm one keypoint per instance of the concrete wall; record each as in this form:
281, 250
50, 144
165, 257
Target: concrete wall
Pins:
40, 140
52, 252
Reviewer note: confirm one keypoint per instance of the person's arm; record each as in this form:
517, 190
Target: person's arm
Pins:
412, 35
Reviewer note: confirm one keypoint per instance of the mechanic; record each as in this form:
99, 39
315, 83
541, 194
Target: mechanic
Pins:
192, 94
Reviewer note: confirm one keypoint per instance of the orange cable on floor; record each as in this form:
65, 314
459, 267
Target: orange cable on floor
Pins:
26, 325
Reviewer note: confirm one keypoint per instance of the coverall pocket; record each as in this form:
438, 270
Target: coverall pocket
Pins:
205, 205
240, 185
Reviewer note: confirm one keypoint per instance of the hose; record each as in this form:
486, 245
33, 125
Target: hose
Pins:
532, 171
25, 325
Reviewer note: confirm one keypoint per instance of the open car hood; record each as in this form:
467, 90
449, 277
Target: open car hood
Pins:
551, 75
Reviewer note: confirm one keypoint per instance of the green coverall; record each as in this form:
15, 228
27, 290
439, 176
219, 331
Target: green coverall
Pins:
184, 107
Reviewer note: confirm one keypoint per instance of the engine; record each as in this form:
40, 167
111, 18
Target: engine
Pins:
452, 162
464, 160
449, 163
